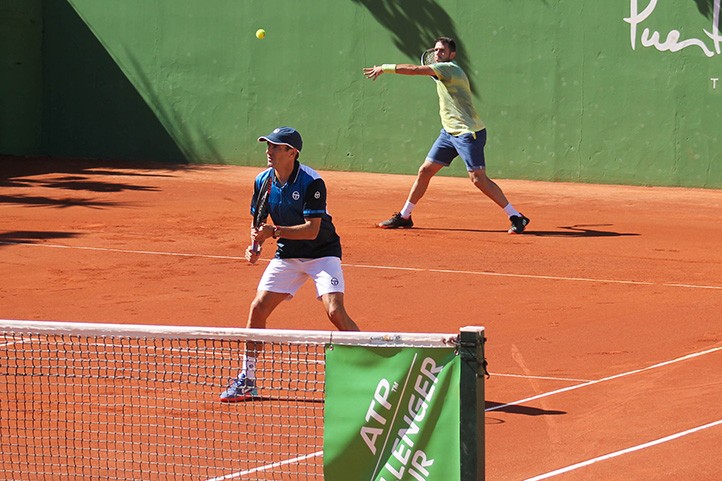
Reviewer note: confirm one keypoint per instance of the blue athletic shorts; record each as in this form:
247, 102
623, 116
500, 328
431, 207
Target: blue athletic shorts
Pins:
469, 147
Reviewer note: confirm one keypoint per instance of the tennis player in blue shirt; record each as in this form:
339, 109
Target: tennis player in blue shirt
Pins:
307, 246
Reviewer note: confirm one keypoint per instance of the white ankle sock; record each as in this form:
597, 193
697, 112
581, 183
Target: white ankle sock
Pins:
510, 210
249, 367
406, 211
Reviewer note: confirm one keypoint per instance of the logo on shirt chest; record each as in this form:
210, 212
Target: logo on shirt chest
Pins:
296, 195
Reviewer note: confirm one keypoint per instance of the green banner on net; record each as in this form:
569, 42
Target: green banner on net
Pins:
391, 414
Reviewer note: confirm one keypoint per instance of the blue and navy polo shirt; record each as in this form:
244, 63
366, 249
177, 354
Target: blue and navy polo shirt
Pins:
303, 197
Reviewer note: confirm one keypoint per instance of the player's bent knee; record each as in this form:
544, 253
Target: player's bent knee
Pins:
340, 318
261, 308
336, 313
429, 169
480, 180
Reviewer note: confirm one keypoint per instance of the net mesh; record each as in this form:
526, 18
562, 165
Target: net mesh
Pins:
85, 405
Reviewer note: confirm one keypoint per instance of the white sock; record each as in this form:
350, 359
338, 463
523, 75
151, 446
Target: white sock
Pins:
511, 211
406, 211
249, 367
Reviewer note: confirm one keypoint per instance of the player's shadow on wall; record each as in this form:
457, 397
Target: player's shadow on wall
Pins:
705, 7
414, 25
90, 108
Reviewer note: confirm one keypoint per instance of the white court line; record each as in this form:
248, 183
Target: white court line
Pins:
546, 378
568, 468
123, 251
604, 379
623, 451
266, 467
395, 268
501, 274
638, 447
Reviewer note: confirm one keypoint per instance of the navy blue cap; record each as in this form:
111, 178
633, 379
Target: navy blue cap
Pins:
284, 136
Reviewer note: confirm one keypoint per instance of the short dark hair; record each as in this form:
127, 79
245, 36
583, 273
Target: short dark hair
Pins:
449, 42
288, 147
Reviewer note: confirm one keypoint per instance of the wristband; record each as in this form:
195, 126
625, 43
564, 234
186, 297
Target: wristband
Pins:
388, 68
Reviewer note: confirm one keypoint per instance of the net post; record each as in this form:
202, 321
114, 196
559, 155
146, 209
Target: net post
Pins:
471, 403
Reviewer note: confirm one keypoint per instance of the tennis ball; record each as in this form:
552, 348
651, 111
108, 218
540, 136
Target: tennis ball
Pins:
260, 33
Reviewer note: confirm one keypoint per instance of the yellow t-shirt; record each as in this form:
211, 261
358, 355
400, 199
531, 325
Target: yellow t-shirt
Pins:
458, 115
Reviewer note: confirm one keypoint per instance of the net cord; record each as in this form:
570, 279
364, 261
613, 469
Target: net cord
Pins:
363, 338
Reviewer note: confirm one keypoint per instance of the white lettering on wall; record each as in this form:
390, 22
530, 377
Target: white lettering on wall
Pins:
673, 41
714, 82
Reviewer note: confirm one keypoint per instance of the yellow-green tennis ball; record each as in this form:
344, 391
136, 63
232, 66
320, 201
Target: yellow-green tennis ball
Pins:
260, 33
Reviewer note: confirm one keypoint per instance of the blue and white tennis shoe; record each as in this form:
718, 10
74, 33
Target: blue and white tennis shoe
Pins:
241, 389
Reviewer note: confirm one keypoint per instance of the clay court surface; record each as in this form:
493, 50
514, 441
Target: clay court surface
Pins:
603, 320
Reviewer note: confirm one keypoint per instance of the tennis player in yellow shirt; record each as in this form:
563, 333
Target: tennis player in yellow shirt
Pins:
463, 134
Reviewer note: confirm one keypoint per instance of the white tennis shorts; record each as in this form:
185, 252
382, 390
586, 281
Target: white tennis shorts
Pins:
288, 275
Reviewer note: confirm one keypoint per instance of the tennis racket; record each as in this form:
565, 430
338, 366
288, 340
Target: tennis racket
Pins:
427, 58
261, 209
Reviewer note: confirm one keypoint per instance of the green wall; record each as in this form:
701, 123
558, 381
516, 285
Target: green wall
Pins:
94, 105
570, 90
20, 76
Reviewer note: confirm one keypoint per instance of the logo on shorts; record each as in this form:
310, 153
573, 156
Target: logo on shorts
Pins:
296, 195
334, 281
317, 195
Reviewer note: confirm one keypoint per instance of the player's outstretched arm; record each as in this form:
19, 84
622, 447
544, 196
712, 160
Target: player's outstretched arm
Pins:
400, 68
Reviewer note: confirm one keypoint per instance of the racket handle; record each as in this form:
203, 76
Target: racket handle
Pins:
256, 247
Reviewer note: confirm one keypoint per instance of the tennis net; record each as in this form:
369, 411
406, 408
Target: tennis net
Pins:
128, 402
